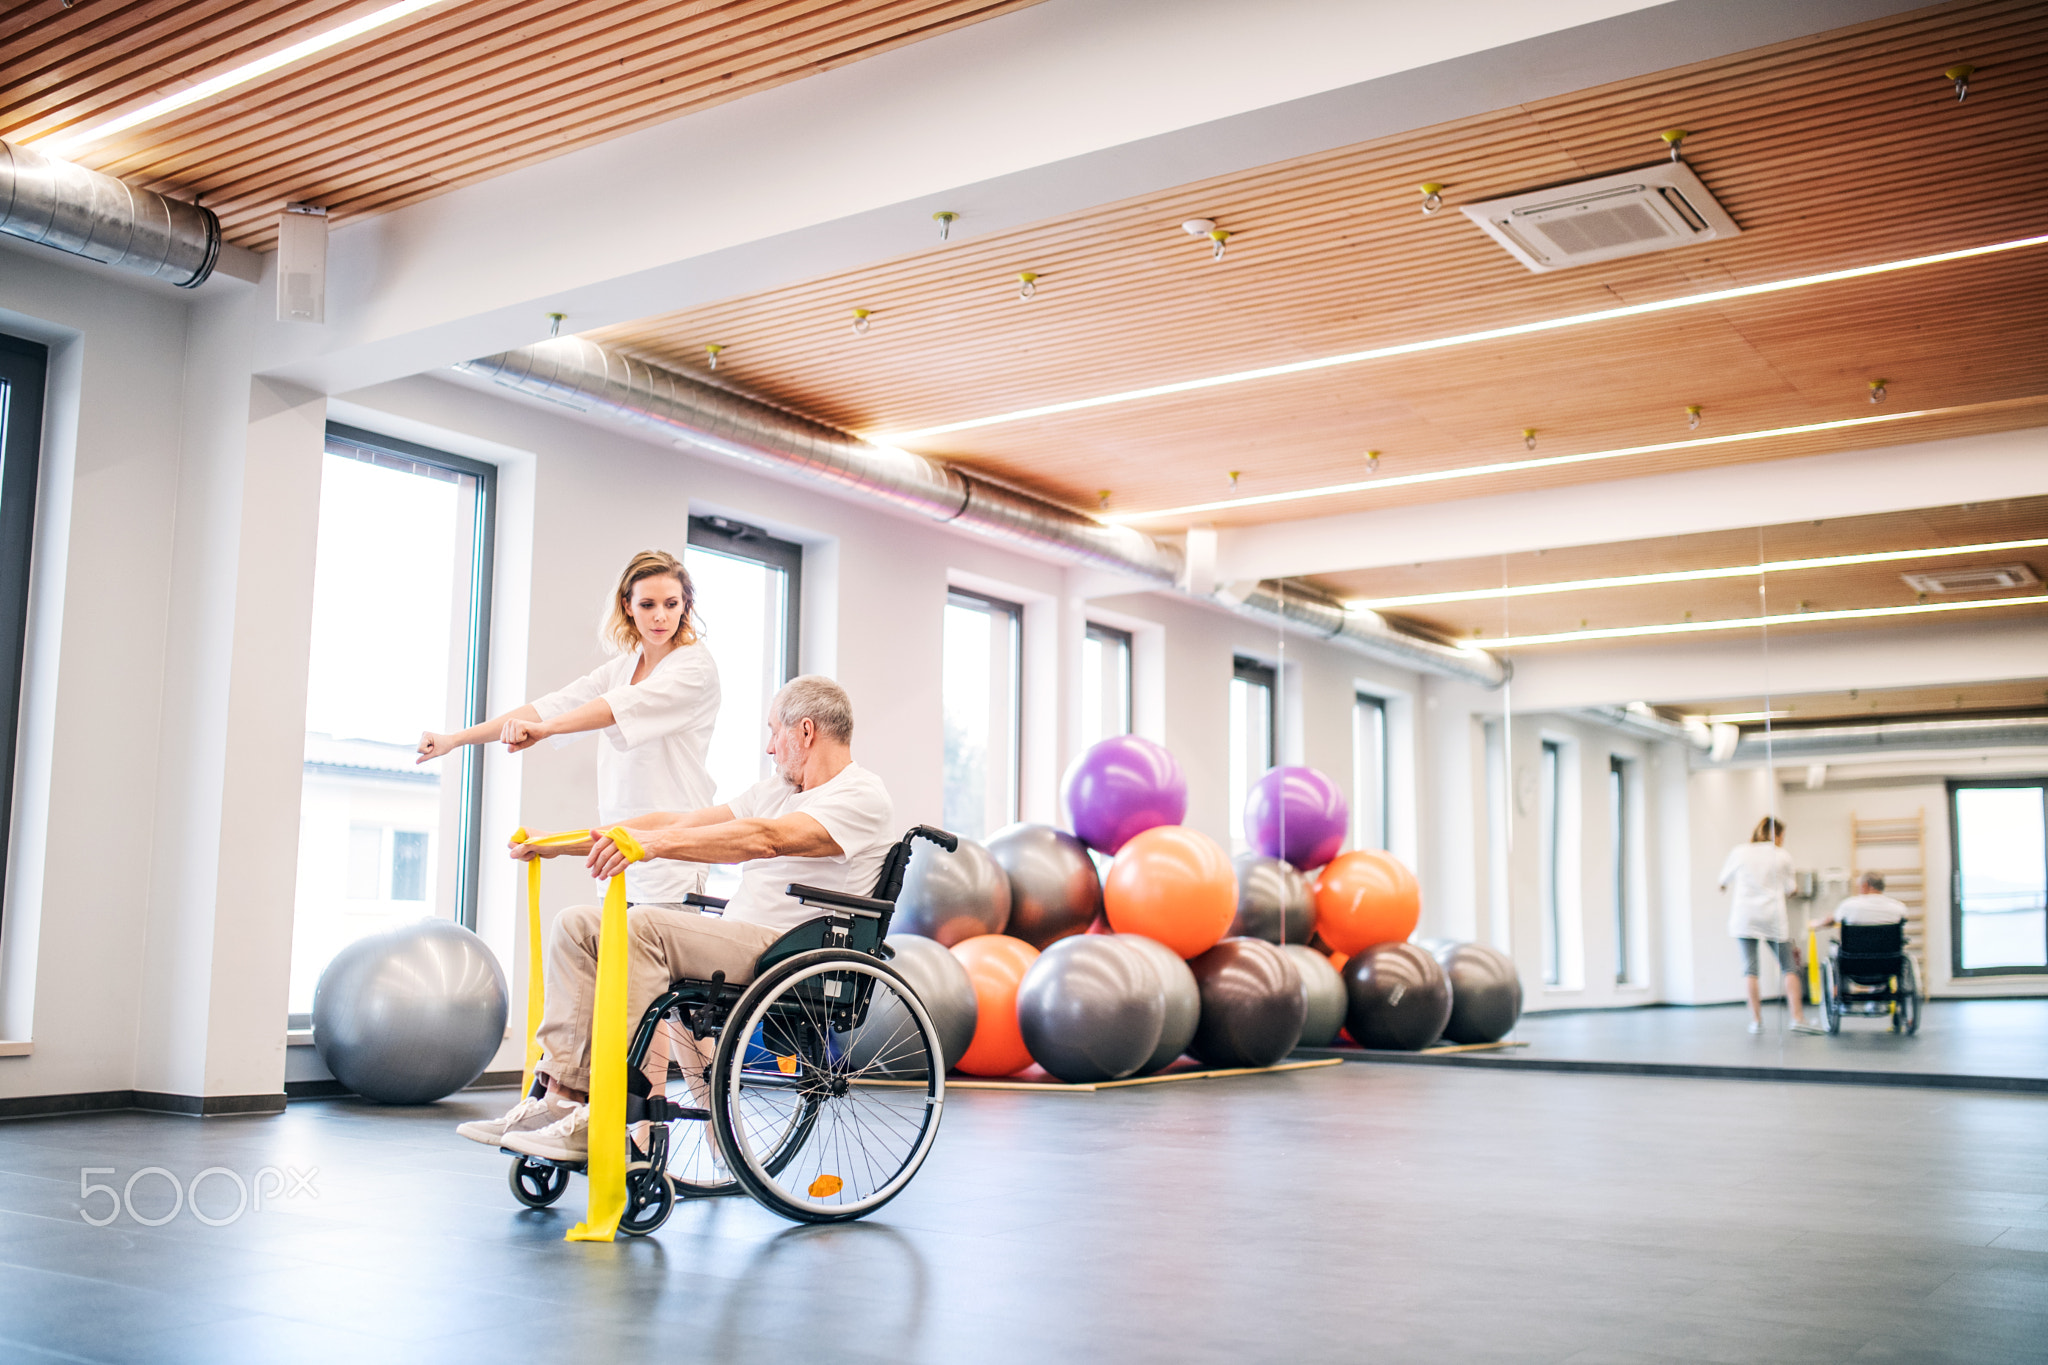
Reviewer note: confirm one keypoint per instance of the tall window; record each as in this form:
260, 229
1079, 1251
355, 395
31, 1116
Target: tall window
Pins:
1621, 853
1369, 772
22, 367
1252, 737
1105, 683
1550, 799
1999, 889
982, 690
748, 585
401, 606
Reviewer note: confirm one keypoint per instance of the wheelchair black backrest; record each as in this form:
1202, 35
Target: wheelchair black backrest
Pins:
1870, 953
864, 934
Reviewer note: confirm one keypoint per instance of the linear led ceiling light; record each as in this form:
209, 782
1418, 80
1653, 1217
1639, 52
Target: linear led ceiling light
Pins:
1688, 575
1752, 622
1521, 329
71, 141
1476, 471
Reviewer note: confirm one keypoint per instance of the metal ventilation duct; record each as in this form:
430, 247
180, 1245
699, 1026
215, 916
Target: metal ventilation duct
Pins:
1820, 740
56, 204
582, 375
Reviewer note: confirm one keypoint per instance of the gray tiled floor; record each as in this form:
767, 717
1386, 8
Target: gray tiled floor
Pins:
1956, 1037
1349, 1213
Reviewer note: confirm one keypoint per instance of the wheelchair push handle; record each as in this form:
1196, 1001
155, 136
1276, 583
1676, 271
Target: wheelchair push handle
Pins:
948, 842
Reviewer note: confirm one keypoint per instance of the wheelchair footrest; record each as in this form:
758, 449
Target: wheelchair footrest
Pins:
659, 1109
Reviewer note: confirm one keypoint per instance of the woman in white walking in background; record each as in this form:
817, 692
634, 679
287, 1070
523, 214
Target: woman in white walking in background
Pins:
655, 702
1760, 875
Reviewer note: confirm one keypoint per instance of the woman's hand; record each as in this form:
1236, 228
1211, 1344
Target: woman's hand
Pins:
435, 746
605, 861
523, 734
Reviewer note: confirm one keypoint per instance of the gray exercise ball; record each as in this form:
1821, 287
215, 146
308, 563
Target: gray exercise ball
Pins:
1183, 999
1486, 993
1090, 1009
940, 984
1323, 990
1054, 888
1252, 1004
952, 897
1274, 901
1399, 998
411, 1014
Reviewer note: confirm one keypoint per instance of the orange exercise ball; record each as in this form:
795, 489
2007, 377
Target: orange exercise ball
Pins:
995, 965
1172, 884
1364, 898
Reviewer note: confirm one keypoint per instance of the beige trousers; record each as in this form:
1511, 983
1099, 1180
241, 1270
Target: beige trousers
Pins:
662, 945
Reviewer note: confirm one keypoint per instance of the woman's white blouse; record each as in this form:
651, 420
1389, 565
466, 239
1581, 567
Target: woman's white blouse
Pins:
652, 757
1760, 875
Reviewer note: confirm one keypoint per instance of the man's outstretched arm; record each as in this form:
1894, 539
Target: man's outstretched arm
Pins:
795, 835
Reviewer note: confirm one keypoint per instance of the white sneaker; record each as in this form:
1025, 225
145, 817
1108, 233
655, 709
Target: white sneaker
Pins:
1809, 1026
528, 1113
1755, 1027
566, 1139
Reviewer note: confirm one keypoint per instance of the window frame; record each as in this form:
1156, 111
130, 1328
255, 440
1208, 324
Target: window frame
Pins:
737, 540
1619, 778
477, 648
1128, 643
1550, 862
24, 374
1245, 669
973, 600
1361, 703
1955, 875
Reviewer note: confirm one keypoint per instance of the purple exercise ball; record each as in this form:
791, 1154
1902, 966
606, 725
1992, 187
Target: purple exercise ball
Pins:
1296, 815
1122, 787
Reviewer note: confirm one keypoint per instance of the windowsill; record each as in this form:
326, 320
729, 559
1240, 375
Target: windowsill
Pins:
20, 1049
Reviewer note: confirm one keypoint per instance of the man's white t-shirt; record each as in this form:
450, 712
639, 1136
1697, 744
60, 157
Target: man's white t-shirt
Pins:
854, 808
1872, 908
1760, 875
651, 758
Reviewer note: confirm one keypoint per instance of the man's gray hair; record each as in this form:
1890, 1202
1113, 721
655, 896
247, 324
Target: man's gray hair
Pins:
1873, 881
817, 699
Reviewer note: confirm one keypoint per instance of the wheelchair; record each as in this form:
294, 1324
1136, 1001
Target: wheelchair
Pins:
824, 1074
1869, 973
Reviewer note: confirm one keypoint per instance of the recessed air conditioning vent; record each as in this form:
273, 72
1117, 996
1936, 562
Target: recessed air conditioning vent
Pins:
1972, 578
1654, 209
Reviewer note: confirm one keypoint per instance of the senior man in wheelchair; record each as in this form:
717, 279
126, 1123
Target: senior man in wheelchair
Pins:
822, 820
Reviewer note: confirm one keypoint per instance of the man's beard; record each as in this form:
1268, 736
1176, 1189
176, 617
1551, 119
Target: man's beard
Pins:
789, 779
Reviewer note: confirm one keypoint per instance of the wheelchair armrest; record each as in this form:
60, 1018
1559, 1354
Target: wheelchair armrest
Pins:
865, 906
703, 902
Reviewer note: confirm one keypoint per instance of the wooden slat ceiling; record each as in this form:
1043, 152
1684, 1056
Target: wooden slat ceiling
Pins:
457, 93
2017, 695
1841, 588
1846, 149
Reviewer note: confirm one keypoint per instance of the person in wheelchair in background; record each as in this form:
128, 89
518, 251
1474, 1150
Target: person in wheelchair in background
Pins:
1869, 905
822, 820
1868, 970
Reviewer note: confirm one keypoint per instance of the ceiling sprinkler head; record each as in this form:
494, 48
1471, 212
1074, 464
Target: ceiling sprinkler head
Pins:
1198, 227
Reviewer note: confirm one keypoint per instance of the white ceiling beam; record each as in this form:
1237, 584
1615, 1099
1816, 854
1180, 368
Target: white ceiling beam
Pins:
2010, 464
1049, 110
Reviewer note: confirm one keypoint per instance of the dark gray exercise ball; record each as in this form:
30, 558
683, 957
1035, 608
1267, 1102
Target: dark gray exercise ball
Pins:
1054, 888
1397, 997
887, 1037
1486, 994
411, 1014
1090, 1009
1274, 901
952, 897
1323, 991
1183, 999
1252, 1004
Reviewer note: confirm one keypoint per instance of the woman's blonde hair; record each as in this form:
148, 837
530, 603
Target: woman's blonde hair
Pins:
618, 631
1767, 829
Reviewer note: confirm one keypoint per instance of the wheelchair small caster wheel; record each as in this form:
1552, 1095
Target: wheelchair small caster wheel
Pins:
650, 1199
536, 1184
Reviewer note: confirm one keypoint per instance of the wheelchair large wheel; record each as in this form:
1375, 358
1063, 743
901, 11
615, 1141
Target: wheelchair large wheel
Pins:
846, 1056
696, 1165
1906, 1007
1830, 997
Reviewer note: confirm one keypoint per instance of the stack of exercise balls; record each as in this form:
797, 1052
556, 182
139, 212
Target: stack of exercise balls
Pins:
1023, 953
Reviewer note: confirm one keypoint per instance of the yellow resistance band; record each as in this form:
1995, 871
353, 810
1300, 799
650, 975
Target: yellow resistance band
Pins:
1813, 964
605, 1168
